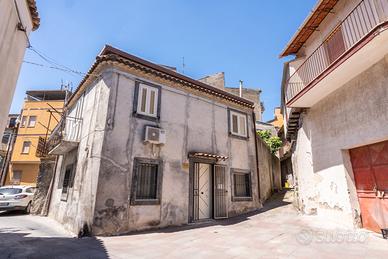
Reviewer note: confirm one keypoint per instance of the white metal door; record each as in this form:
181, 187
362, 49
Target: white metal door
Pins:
204, 204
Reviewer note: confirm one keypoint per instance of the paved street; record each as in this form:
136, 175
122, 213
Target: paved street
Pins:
277, 231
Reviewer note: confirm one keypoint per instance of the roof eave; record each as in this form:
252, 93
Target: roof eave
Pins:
286, 51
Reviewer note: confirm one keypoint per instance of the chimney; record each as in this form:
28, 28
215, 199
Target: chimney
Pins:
241, 87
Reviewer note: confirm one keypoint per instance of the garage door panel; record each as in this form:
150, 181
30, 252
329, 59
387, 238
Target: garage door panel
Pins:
370, 213
381, 174
370, 168
360, 157
379, 153
364, 179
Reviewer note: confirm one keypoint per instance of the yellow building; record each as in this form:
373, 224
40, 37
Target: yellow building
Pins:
40, 114
278, 120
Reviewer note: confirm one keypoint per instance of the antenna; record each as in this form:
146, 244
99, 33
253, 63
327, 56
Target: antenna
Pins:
183, 65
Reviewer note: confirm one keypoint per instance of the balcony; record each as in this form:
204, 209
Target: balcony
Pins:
357, 43
64, 138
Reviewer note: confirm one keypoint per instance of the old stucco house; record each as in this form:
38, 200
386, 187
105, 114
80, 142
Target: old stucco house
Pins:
335, 102
17, 19
142, 146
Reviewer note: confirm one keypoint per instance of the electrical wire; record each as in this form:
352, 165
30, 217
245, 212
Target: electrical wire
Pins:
54, 63
52, 67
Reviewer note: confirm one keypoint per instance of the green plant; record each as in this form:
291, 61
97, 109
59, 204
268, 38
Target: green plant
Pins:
274, 142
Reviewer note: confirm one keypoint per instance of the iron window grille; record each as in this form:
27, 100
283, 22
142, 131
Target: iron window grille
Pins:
242, 185
146, 182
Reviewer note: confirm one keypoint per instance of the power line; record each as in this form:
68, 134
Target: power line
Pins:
52, 67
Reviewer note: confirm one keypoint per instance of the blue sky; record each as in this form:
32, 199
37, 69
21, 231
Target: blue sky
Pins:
241, 38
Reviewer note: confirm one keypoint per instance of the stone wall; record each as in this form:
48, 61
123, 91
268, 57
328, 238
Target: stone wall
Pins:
43, 182
269, 170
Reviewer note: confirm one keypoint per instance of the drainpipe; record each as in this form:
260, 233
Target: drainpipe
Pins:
241, 87
256, 155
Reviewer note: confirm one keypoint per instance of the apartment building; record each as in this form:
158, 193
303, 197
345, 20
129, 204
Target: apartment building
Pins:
40, 114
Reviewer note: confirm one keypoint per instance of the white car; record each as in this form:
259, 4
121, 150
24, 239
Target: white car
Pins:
16, 197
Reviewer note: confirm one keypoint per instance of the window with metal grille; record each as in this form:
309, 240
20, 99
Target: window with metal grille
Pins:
146, 182
242, 187
66, 184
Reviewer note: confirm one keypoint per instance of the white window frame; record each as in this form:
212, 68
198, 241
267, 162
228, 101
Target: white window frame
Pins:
149, 90
239, 116
29, 147
23, 121
29, 121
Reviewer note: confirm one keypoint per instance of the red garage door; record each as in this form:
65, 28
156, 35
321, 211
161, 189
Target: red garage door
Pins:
370, 167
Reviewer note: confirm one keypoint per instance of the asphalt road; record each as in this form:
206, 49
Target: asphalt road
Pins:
276, 231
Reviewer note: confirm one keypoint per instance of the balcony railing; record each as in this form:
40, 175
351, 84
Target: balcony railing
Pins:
362, 19
67, 130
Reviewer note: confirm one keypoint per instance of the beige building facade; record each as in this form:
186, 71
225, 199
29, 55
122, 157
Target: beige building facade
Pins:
143, 147
17, 19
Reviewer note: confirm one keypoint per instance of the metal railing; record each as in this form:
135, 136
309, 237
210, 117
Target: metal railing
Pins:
361, 20
68, 129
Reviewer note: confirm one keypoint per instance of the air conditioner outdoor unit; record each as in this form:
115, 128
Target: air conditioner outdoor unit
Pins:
155, 135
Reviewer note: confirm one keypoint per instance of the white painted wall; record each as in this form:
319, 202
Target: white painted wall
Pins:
79, 208
353, 116
192, 123
13, 43
112, 137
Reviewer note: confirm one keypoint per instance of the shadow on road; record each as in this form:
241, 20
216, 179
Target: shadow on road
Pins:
12, 213
275, 201
15, 244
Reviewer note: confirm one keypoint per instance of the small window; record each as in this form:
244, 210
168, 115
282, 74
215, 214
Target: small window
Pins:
30, 190
23, 122
32, 121
242, 186
148, 98
66, 184
26, 147
238, 124
146, 182
16, 177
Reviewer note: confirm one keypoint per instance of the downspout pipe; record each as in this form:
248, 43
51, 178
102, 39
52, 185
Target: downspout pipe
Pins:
256, 155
